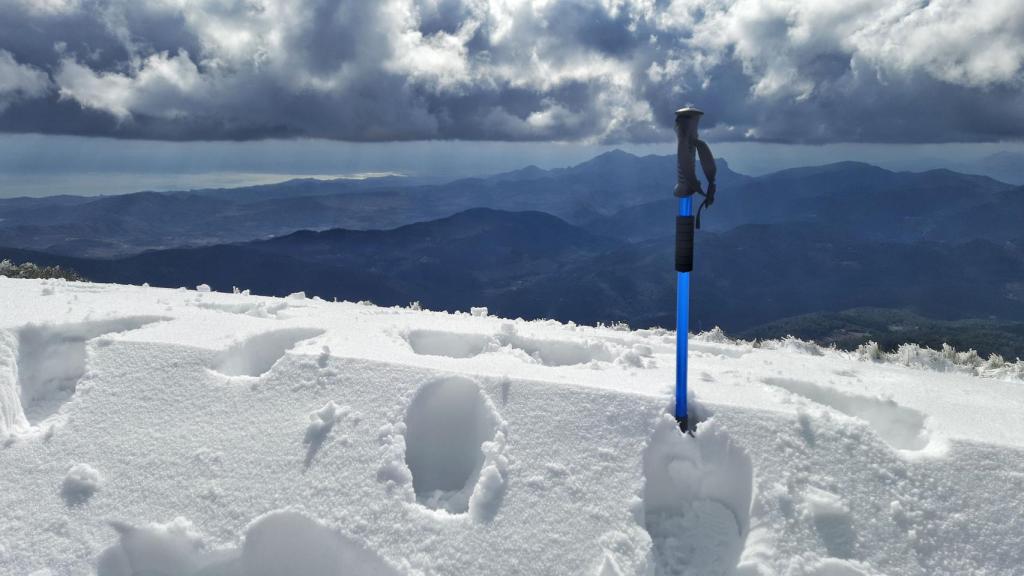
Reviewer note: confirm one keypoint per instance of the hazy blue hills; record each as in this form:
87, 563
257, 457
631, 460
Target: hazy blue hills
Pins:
535, 265
306, 187
1006, 166
120, 225
790, 251
615, 194
866, 201
475, 256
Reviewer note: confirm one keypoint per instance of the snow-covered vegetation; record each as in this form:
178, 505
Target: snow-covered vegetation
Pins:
182, 432
946, 359
31, 270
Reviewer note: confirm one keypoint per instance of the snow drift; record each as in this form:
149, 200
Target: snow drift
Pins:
152, 431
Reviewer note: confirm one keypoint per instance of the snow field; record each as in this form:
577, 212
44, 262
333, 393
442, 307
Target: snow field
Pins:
215, 434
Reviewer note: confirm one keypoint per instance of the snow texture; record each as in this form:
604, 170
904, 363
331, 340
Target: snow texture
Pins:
176, 432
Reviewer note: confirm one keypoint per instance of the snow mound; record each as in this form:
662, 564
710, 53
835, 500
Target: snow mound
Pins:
321, 422
291, 543
281, 542
81, 482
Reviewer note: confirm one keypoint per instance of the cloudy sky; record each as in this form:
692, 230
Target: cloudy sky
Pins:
199, 87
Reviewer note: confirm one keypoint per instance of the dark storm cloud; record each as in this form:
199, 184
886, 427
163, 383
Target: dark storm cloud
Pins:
600, 71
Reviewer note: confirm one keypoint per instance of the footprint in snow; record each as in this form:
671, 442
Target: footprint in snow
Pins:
901, 427
832, 521
256, 355
256, 309
546, 352
454, 449
42, 365
696, 500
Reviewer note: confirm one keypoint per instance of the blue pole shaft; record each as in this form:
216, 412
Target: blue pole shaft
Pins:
682, 323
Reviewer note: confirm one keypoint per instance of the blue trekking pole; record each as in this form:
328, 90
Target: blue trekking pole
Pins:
687, 185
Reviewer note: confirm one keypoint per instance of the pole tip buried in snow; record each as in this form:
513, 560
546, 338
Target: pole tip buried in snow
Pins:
684, 425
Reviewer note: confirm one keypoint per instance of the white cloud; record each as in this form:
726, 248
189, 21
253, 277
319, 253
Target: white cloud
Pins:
161, 85
18, 81
970, 43
788, 70
49, 7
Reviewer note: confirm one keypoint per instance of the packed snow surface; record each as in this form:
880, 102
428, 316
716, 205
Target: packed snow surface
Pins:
147, 431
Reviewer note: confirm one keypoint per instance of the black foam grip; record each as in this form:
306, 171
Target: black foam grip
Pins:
684, 243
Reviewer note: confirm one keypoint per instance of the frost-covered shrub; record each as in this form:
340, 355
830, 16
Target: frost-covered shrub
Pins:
714, 336
948, 359
617, 326
31, 270
793, 344
870, 351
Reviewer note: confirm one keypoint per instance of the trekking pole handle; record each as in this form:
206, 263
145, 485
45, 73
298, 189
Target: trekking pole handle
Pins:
687, 183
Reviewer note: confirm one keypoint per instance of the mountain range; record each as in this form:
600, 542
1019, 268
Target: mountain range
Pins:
120, 225
590, 243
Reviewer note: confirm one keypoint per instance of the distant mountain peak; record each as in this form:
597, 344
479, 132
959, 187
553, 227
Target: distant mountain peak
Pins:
846, 166
614, 157
531, 172
616, 153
